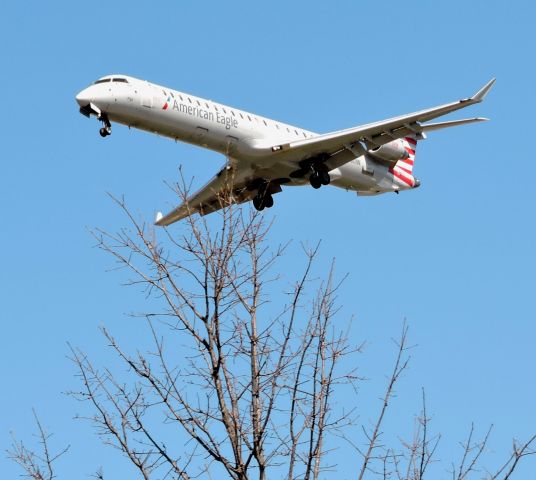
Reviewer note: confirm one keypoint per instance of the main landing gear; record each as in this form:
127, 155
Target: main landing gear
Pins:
106, 126
319, 178
263, 199
317, 170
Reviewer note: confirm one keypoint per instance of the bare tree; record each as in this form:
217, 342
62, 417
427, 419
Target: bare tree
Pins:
411, 459
38, 466
238, 383
250, 387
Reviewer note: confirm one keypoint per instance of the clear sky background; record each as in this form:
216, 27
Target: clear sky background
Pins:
455, 257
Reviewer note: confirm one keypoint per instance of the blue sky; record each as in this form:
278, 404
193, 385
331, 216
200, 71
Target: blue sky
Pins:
455, 257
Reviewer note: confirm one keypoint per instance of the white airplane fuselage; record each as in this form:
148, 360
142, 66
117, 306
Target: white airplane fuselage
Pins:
240, 135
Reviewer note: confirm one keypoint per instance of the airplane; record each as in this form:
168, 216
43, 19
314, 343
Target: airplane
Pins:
263, 155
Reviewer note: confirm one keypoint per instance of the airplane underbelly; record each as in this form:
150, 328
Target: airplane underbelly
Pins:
353, 177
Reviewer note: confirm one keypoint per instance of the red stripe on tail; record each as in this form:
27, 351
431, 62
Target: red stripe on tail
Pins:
402, 176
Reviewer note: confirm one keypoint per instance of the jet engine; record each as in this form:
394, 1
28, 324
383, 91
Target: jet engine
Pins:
390, 152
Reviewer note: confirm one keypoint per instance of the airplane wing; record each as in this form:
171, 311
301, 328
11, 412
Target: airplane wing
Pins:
237, 185
229, 186
373, 134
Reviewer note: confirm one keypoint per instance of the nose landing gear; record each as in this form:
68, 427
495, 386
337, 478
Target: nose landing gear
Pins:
107, 126
105, 131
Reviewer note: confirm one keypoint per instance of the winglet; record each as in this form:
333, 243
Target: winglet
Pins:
159, 216
479, 96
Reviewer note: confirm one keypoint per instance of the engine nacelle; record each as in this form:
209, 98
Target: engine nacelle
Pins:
391, 152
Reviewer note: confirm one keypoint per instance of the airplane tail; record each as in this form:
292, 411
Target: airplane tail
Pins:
410, 144
403, 169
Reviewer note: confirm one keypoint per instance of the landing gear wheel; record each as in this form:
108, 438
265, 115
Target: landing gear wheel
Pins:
324, 177
106, 126
315, 180
258, 203
263, 200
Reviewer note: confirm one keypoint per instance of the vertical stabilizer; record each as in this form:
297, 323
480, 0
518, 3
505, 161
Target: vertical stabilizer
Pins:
403, 169
406, 164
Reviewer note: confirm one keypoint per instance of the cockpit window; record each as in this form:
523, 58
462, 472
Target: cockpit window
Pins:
123, 80
103, 80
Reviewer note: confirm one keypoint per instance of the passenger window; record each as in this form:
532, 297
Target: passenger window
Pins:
198, 102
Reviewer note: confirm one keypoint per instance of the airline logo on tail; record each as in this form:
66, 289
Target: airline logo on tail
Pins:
403, 169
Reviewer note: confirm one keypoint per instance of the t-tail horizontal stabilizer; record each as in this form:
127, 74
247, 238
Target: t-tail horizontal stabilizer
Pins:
453, 123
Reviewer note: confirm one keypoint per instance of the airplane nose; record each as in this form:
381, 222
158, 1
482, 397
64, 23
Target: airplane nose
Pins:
83, 98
